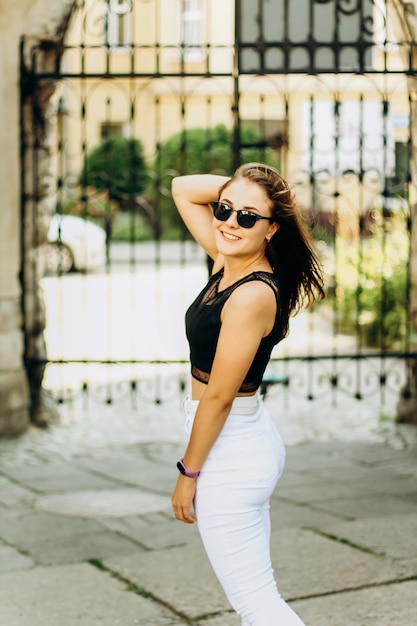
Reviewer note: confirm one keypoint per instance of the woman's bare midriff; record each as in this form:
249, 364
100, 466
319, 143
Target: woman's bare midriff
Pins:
198, 388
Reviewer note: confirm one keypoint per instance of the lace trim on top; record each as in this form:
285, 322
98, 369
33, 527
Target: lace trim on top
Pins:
204, 377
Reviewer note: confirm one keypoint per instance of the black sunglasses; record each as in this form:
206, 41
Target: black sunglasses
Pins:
245, 219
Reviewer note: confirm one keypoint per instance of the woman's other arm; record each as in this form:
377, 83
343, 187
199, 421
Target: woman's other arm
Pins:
248, 316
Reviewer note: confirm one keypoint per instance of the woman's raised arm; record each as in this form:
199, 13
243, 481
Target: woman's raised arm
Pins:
192, 195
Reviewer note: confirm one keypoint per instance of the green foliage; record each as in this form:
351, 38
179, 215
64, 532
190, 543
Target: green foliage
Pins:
116, 165
372, 303
131, 227
197, 151
376, 310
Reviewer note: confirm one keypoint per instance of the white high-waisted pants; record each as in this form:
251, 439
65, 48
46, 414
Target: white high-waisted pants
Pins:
232, 509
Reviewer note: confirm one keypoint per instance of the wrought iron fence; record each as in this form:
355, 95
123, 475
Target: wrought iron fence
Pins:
144, 93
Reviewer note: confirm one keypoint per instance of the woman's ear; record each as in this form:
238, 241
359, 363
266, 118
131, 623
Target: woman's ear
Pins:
273, 228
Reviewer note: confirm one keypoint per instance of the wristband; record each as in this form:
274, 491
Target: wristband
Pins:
185, 471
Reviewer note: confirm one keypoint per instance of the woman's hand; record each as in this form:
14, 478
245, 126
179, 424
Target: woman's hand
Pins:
192, 195
182, 499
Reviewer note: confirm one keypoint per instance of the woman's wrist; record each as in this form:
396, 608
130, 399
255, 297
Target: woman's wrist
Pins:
199, 188
183, 469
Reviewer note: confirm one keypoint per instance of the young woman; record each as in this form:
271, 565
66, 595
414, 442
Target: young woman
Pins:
264, 270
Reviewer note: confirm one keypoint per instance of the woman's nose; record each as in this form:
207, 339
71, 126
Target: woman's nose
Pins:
232, 219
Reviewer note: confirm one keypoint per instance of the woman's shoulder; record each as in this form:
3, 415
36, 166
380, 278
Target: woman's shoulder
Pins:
253, 301
257, 290
260, 281
251, 284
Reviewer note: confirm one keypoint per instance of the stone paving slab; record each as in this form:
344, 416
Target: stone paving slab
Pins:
51, 477
387, 605
412, 497
35, 526
136, 471
103, 503
355, 453
97, 545
225, 619
368, 506
156, 532
389, 483
77, 595
399, 485
305, 563
324, 491
96, 431
360, 472
11, 559
165, 451
394, 536
294, 476
370, 454
12, 495
53, 539
290, 514
316, 456
181, 576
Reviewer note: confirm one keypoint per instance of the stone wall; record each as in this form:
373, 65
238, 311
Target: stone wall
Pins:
40, 21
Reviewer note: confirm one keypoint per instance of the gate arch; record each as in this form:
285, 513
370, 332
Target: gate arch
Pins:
331, 106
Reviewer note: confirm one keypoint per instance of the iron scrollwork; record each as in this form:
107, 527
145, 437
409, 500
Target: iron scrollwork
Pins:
339, 36
334, 165
95, 17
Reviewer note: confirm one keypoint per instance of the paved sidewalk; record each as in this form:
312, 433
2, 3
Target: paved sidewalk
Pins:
87, 535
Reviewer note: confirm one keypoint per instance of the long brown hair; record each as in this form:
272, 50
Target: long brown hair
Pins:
291, 250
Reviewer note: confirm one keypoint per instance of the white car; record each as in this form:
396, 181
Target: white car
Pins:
74, 244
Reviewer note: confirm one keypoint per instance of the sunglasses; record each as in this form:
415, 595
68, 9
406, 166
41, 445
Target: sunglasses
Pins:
245, 219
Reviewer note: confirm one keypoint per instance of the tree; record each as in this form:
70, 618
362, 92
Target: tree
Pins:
116, 165
114, 175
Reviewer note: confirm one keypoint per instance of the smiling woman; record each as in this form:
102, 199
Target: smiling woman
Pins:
264, 270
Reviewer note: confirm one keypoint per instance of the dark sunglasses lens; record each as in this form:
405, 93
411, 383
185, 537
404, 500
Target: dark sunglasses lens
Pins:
246, 221
221, 211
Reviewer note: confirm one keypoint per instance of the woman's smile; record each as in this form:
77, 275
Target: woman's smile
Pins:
229, 236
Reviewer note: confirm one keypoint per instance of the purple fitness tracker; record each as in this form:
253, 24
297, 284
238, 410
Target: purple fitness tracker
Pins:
185, 471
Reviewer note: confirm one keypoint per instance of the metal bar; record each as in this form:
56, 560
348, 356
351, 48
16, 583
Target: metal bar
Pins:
289, 358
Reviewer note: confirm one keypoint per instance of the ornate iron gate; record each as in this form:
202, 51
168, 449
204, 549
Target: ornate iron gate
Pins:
142, 90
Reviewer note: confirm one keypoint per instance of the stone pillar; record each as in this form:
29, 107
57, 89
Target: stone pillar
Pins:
39, 143
14, 390
44, 21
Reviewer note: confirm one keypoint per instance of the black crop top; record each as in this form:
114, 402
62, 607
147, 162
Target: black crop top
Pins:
202, 322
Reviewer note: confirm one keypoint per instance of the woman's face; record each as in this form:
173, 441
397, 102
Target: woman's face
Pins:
234, 240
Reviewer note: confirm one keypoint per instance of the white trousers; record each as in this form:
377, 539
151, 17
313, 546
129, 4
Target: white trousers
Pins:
232, 509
